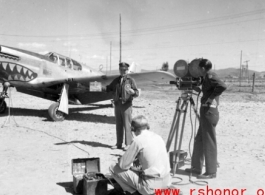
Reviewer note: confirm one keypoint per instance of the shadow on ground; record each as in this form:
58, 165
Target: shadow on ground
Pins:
69, 189
68, 186
89, 143
74, 114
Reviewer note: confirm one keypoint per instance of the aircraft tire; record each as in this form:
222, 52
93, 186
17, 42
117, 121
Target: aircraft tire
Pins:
2, 106
54, 114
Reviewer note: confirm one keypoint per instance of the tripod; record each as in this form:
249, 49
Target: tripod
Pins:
181, 108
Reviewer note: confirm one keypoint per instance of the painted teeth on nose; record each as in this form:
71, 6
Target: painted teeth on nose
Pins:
11, 66
21, 78
4, 64
19, 68
10, 78
24, 71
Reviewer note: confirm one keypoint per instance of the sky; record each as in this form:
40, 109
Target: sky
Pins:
229, 33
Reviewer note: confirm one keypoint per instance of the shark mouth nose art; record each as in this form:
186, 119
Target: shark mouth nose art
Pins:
16, 72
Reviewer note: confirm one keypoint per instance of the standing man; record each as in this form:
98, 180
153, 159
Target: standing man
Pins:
205, 146
125, 89
153, 169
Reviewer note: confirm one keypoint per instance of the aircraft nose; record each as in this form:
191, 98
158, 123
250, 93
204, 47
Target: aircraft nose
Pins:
16, 72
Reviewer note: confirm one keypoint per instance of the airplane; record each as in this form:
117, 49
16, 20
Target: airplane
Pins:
60, 79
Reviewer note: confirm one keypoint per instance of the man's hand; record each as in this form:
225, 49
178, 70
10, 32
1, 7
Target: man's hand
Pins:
136, 163
209, 101
197, 89
130, 91
137, 169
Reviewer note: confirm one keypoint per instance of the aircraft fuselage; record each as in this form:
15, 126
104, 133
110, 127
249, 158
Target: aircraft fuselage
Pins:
25, 69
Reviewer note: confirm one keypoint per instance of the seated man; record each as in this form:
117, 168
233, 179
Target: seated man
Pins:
154, 169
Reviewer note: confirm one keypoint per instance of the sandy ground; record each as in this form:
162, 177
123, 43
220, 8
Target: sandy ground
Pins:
36, 153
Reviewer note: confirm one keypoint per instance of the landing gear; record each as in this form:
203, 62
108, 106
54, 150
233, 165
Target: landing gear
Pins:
2, 106
54, 113
4, 95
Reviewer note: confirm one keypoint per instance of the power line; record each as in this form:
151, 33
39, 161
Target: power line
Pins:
146, 30
188, 45
192, 28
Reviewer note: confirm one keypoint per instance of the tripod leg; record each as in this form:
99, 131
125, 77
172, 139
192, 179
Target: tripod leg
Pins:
196, 113
172, 129
176, 127
177, 152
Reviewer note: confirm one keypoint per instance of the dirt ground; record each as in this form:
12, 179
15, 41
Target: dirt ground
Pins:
36, 153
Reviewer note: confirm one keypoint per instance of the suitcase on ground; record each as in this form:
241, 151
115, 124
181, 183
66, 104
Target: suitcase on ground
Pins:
95, 184
80, 167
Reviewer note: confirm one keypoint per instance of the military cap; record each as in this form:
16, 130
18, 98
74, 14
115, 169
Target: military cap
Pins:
124, 65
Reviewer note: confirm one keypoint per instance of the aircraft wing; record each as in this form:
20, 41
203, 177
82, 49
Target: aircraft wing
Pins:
142, 79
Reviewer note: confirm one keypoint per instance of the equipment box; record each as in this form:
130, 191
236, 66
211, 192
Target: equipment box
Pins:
95, 184
182, 157
80, 167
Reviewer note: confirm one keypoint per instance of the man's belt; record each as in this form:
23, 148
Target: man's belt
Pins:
209, 105
153, 178
156, 178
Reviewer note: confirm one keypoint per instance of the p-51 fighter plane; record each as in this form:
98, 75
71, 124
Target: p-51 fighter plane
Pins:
60, 79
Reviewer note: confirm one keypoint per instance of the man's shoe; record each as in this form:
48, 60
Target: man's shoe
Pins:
207, 176
115, 192
116, 147
126, 147
135, 193
193, 170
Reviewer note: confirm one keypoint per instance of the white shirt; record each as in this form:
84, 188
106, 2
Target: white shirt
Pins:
151, 151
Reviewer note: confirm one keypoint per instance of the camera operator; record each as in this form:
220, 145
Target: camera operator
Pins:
153, 171
205, 146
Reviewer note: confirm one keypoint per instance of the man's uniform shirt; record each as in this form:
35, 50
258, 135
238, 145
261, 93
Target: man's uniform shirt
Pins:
120, 85
150, 149
212, 87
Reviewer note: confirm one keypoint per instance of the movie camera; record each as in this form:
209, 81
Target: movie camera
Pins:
189, 74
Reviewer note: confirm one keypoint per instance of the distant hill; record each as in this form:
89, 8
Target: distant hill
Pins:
234, 72
222, 73
228, 71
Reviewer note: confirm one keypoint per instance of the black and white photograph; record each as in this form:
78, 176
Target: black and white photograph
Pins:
132, 97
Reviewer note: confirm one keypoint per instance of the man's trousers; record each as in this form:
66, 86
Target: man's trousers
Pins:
205, 146
131, 181
123, 115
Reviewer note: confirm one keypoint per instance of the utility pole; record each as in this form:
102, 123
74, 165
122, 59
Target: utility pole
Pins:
247, 69
106, 65
120, 38
253, 84
110, 58
240, 69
